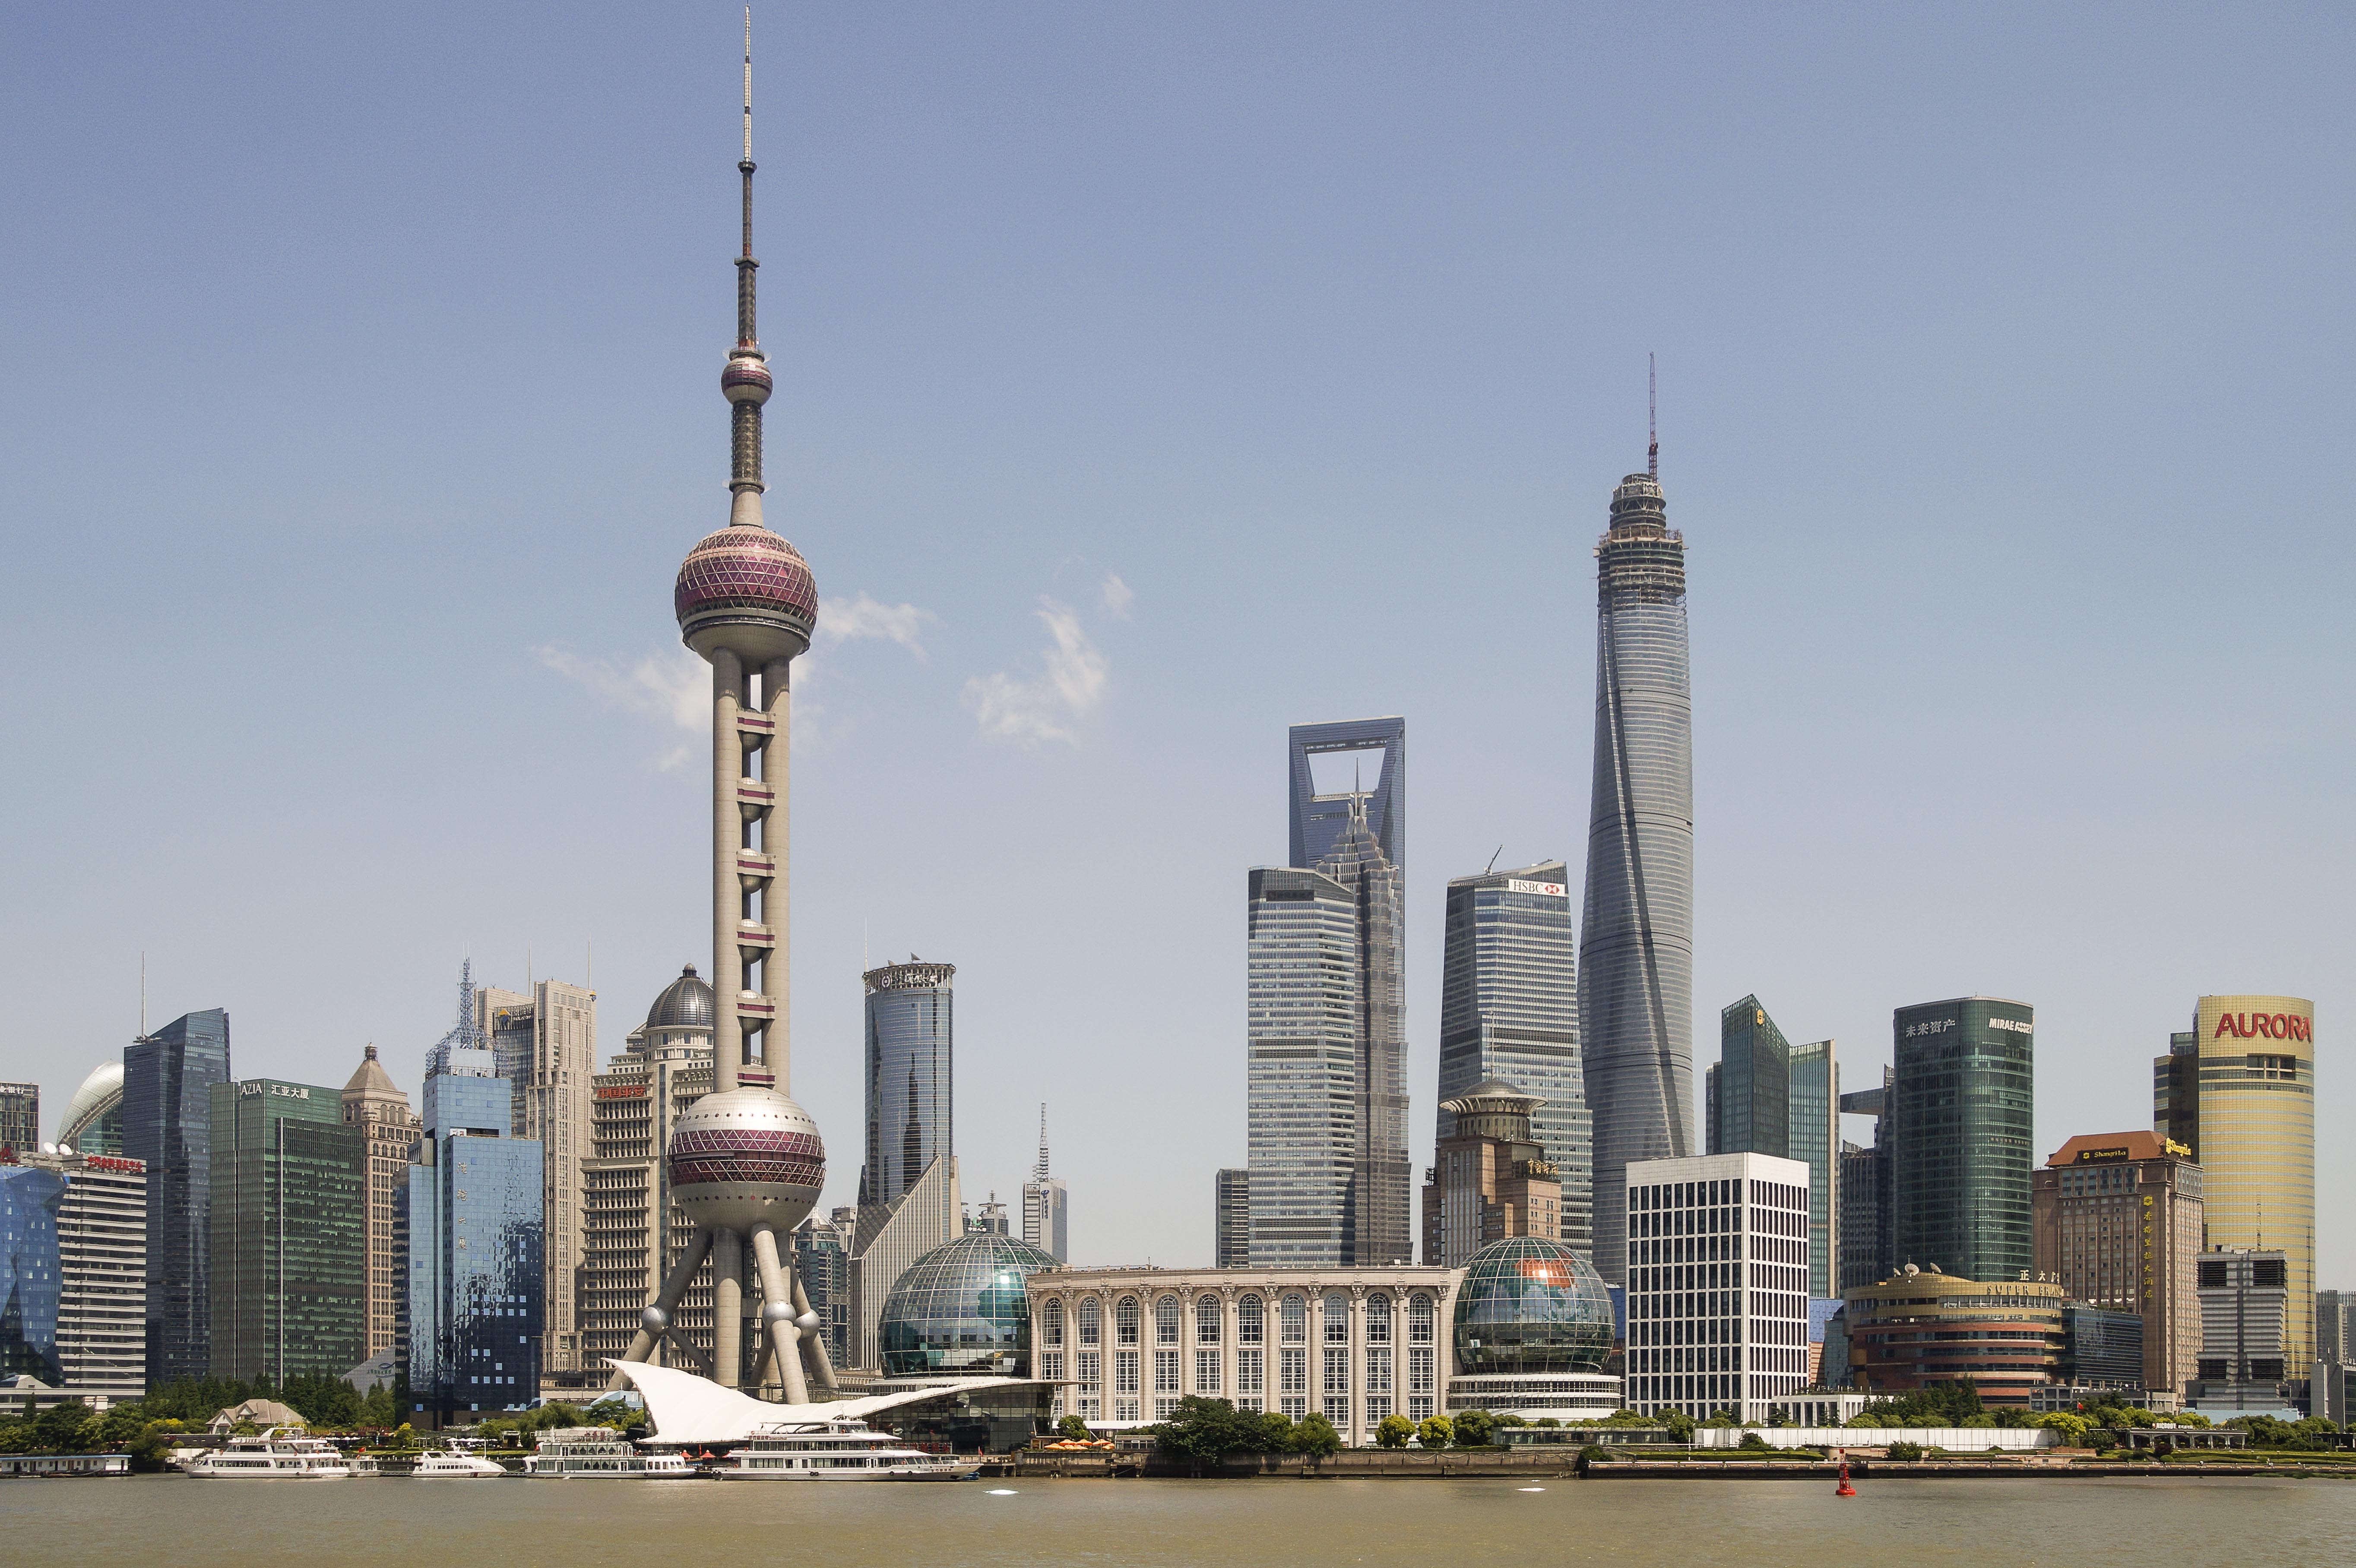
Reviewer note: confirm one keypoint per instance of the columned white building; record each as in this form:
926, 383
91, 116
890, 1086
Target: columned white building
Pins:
1718, 1284
1354, 1345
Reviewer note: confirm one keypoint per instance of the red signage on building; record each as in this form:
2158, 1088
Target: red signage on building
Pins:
2265, 1026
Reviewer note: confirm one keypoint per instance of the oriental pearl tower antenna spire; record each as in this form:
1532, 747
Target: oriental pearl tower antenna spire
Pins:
745, 1161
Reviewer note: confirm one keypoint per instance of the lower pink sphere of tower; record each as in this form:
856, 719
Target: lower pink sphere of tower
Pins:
747, 1159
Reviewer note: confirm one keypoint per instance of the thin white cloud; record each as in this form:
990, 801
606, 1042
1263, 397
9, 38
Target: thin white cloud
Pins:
675, 686
1115, 594
849, 620
1052, 708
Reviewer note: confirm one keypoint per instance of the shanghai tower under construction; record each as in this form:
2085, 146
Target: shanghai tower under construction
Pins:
1635, 948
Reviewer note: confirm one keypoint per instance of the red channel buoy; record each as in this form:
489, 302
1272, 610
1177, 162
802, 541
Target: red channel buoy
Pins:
1844, 1489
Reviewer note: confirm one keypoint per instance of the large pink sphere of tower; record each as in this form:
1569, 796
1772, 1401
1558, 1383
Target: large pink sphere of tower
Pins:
747, 1159
748, 591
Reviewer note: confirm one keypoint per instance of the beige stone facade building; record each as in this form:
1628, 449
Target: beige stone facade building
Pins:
632, 1232
546, 1048
373, 1103
1489, 1178
1354, 1345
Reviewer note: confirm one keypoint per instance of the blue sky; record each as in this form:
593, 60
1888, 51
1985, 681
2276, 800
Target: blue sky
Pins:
1150, 379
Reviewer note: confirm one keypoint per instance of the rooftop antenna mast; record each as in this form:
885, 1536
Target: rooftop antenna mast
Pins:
1653, 415
1043, 1141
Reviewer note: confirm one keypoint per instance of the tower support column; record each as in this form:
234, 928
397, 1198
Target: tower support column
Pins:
727, 835
776, 842
727, 1309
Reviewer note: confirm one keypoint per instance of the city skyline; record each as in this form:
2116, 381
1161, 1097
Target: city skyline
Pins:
2068, 419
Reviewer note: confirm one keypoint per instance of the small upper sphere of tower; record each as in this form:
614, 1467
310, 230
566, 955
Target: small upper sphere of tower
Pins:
746, 381
748, 591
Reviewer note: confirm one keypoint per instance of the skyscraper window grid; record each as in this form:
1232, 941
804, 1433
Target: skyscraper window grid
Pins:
1509, 1011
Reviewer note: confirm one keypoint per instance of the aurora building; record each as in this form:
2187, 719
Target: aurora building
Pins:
1636, 947
2240, 1093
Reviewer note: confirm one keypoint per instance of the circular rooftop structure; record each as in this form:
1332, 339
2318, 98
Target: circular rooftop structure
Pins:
686, 1005
746, 1158
962, 1309
1532, 1306
100, 1097
748, 589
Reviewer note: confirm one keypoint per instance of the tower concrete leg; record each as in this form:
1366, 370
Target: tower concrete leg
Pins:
666, 1301
814, 1342
727, 1309
777, 1318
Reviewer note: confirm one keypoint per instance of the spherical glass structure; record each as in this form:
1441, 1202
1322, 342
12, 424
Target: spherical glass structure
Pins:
962, 1309
1532, 1306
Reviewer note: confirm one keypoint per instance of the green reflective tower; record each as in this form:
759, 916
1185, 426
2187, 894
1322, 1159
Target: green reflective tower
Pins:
1960, 1115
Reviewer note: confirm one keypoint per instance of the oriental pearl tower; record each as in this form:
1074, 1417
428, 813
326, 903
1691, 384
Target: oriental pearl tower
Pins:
746, 1162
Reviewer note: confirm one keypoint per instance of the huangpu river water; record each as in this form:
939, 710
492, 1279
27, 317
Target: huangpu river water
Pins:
191, 1523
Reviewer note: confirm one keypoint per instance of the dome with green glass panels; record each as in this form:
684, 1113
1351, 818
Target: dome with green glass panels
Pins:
1532, 1306
962, 1309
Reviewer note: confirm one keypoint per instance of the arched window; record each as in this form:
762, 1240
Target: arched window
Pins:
1293, 1319
1125, 1321
1418, 1320
1379, 1319
1051, 1320
1091, 1323
1250, 1325
1165, 1320
1207, 1320
1335, 1310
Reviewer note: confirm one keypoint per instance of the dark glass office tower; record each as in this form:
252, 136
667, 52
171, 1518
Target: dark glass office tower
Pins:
1380, 1226
1509, 1011
1317, 820
1747, 1096
1636, 947
288, 1232
1960, 1100
910, 1012
167, 1083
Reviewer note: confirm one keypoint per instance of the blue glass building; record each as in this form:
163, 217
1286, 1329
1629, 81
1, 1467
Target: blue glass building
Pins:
30, 1273
1509, 1011
1316, 820
1635, 944
475, 1301
911, 1014
167, 1083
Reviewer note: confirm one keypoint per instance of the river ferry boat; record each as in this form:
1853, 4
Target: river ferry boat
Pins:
600, 1454
448, 1466
281, 1454
843, 1449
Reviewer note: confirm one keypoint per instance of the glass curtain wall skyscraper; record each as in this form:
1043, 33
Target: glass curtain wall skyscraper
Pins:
1960, 1104
1766, 1095
1635, 948
167, 1084
1509, 1011
1316, 818
1303, 988
911, 1015
477, 1277
289, 1232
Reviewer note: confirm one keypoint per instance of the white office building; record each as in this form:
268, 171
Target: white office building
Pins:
1718, 1284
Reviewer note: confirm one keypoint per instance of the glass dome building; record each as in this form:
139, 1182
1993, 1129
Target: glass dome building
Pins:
962, 1309
1533, 1331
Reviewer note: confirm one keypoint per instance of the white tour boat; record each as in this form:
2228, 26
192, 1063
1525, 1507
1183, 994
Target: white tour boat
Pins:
843, 1449
281, 1454
444, 1466
600, 1454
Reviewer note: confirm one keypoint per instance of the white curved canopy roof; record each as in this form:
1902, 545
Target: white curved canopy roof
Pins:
695, 1412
